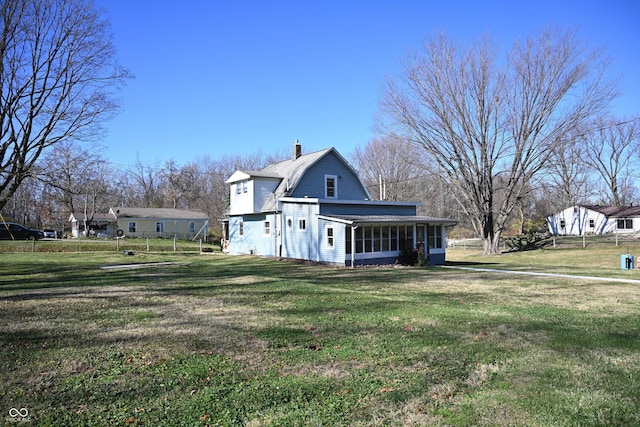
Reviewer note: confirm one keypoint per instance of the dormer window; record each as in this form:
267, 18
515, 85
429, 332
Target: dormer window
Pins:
242, 187
330, 186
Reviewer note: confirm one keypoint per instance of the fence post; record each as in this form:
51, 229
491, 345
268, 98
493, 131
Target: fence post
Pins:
147, 244
200, 245
117, 244
174, 244
33, 248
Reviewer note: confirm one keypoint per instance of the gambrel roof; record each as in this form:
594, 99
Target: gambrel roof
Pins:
290, 172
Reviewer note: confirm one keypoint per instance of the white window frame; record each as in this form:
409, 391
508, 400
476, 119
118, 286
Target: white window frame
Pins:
159, 226
335, 186
192, 227
302, 225
266, 227
245, 186
627, 224
238, 187
330, 233
132, 227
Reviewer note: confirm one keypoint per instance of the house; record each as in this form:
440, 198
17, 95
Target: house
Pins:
96, 225
315, 207
160, 222
594, 219
143, 222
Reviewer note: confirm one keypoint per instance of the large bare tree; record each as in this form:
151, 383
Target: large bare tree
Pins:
610, 151
58, 70
490, 123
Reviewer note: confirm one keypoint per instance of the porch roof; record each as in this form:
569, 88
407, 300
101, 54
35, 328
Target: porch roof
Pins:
387, 219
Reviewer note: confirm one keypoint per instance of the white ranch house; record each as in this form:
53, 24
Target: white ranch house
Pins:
315, 207
580, 220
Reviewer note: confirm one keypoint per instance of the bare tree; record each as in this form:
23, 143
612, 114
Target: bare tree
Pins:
148, 183
568, 174
609, 150
390, 167
490, 125
57, 72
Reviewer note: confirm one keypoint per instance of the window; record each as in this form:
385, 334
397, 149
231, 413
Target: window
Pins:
266, 228
302, 224
132, 227
289, 222
435, 236
562, 224
625, 224
359, 245
192, 227
385, 239
245, 186
592, 223
330, 240
159, 227
394, 238
368, 239
347, 239
238, 188
330, 186
241, 228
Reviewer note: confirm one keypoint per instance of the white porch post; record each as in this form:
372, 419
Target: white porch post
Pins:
353, 246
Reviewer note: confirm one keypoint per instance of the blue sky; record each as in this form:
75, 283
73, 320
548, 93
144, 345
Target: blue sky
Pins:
223, 78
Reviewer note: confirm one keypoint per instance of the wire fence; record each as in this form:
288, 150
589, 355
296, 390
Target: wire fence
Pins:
528, 242
108, 245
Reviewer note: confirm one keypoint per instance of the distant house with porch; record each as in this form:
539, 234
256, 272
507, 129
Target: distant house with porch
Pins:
99, 224
580, 220
143, 222
315, 207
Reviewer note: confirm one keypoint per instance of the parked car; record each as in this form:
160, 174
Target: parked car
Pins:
13, 231
50, 233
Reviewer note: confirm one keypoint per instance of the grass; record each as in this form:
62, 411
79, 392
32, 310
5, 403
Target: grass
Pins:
208, 339
106, 245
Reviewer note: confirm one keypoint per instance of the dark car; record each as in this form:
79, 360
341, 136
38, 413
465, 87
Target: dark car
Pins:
50, 233
13, 231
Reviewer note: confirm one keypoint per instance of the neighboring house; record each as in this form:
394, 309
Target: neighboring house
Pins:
160, 222
594, 219
315, 207
143, 222
96, 225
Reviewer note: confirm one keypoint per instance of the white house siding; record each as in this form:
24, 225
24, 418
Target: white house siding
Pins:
579, 220
335, 254
253, 240
263, 189
298, 243
241, 203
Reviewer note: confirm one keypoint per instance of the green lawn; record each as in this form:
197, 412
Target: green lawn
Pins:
209, 339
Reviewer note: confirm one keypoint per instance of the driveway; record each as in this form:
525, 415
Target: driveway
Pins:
533, 273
